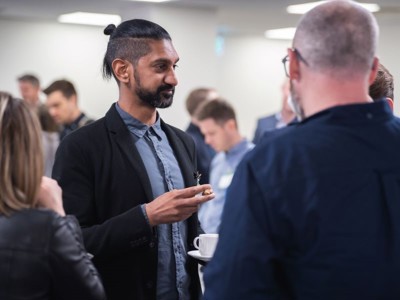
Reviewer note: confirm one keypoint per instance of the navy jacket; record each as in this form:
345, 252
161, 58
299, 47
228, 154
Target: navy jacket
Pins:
264, 125
314, 212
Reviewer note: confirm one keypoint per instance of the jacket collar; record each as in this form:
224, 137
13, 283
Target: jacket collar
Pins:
122, 137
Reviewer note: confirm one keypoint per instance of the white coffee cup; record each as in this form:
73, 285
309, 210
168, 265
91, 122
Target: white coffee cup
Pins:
206, 243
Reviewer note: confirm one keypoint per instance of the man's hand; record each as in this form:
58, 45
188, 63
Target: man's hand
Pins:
177, 205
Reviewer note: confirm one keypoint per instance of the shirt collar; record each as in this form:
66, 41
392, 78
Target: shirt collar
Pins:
137, 127
74, 125
354, 113
238, 148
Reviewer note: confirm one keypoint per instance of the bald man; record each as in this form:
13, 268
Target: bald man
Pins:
313, 212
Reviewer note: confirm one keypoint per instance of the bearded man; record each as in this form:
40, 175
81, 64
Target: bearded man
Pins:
111, 170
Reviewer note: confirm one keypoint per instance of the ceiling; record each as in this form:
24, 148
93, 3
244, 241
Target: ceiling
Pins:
234, 16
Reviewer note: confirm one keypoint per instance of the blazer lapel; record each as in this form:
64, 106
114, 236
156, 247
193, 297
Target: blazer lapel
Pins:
181, 154
122, 137
186, 164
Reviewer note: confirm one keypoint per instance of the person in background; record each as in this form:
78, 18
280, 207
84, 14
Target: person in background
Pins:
204, 152
41, 250
50, 140
277, 120
313, 212
218, 124
29, 86
383, 86
128, 177
62, 103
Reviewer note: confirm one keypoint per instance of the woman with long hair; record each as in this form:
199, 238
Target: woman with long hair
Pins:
41, 250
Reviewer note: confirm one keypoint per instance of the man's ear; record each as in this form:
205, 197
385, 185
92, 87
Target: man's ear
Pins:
390, 102
374, 71
73, 99
230, 125
294, 70
120, 68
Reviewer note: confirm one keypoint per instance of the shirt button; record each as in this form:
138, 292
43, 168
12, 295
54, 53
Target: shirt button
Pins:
149, 284
370, 116
152, 244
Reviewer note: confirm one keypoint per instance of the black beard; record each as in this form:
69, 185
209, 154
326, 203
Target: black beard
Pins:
156, 99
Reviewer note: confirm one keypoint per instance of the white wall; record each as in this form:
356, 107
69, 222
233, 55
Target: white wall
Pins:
250, 74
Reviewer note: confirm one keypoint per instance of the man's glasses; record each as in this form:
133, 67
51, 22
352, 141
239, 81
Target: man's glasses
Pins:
285, 60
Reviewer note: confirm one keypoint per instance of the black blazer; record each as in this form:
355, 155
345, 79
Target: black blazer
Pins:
104, 182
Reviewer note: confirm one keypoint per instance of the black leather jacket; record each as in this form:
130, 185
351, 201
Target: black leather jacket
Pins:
42, 257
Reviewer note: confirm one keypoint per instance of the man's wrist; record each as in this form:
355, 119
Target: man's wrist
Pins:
146, 217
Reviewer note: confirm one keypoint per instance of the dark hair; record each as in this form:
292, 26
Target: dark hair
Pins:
46, 121
197, 97
383, 85
64, 86
32, 79
218, 109
130, 41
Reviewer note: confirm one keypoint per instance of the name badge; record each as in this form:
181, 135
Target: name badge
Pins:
225, 181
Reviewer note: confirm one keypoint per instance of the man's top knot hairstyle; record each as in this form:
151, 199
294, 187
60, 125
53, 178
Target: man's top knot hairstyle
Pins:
129, 41
109, 29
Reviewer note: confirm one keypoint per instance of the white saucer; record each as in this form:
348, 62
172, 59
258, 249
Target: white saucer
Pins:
196, 254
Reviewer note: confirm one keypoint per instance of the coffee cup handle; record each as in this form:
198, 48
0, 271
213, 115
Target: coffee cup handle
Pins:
196, 242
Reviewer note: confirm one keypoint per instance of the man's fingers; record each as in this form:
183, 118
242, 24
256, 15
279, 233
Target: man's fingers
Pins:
195, 201
194, 190
204, 198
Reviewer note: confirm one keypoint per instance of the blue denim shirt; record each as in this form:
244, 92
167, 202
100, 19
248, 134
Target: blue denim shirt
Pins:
164, 173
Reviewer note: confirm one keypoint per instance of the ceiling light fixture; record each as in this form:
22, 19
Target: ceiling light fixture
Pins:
281, 33
305, 7
86, 18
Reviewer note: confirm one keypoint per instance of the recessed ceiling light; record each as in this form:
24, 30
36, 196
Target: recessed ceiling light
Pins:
86, 18
281, 33
305, 7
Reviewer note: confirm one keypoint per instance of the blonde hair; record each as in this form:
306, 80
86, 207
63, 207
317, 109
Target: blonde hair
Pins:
21, 158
